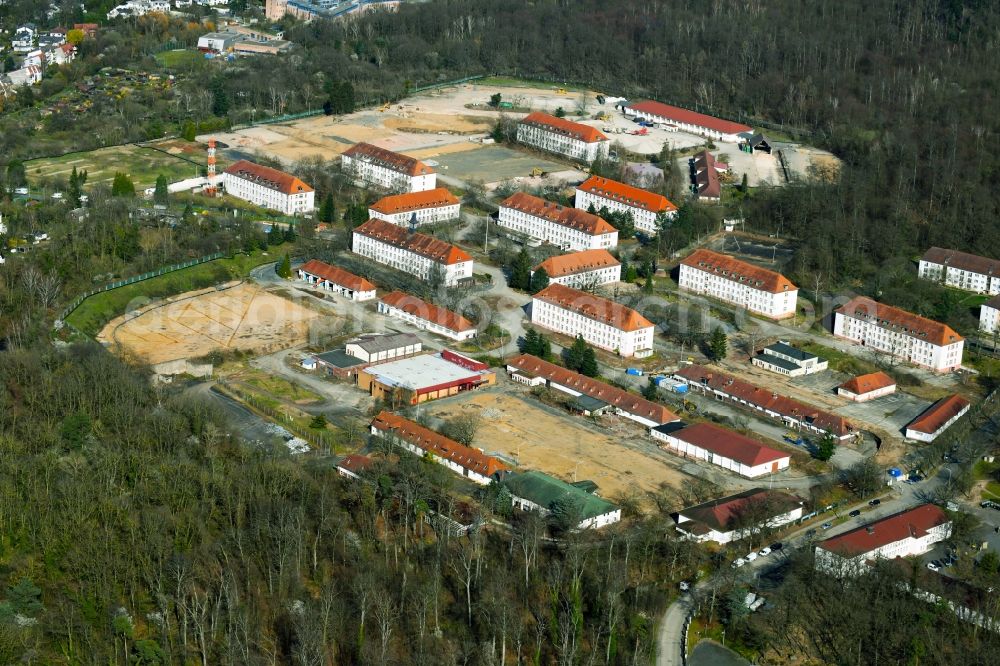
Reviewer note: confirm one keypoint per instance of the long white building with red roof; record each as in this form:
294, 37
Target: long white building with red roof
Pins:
410, 252
602, 323
644, 206
427, 207
582, 270
724, 448
565, 227
268, 188
688, 121
384, 168
426, 316
757, 289
565, 137
899, 333
337, 280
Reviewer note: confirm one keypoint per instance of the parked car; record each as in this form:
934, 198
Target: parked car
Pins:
855, 513
875, 502
826, 526
934, 566
777, 545
738, 563
764, 552
751, 557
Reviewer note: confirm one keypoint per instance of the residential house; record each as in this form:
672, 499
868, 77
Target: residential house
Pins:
989, 315
24, 38
961, 270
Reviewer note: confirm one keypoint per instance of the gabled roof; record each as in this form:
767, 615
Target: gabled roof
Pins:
427, 311
706, 176
336, 275
729, 444
268, 177
962, 261
546, 491
739, 271
912, 523
680, 115
937, 415
426, 246
403, 203
787, 350
900, 321
578, 131
766, 399
355, 463
574, 218
993, 303
867, 383
405, 164
723, 514
577, 262
621, 399
437, 444
593, 307
373, 343
626, 194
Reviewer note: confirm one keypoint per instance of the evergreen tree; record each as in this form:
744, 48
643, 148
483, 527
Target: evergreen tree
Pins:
220, 100
649, 391
275, 236
74, 187
122, 186
539, 280
588, 363
326, 209
520, 271
574, 354
744, 186
161, 193
290, 233
529, 344
826, 448
718, 344
318, 422
285, 268
189, 131
647, 287
544, 347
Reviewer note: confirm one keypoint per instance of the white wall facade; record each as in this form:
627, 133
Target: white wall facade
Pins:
959, 278
683, 126
772, 305
423, 324
865, 397
644, 220
259, 195
689, 450
638, 343
384, 177
921, 436
596, 522
424, 215
940, 358
355, 349
989, 318
335, 288
596, 277
736, 535
557, 234
407, 261
450, 464
836, 564
557, 142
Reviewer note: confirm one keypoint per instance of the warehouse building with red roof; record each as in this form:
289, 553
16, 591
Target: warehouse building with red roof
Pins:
644, 206
727, 449
336, 280
688, 121
738, 516
937, 418
564, 137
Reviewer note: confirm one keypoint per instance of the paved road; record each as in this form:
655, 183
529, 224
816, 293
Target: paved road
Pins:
669, 639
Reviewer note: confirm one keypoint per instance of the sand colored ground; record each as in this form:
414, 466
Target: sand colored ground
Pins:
194, 324
558, 445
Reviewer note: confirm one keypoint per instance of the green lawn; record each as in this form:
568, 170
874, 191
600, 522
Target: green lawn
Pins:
510, 82
839, 361
142, 164
179, 58
99, 309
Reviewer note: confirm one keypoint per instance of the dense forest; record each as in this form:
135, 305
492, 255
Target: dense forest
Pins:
135, 529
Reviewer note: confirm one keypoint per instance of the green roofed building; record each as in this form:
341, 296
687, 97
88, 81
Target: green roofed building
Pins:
535, 491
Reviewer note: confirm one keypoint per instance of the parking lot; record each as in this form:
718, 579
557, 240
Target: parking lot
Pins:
891, 412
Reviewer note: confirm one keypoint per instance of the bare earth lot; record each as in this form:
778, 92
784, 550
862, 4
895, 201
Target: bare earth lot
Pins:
558, 445
193, 324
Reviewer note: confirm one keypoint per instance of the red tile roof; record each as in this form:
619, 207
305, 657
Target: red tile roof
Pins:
573, 218
268, 177
403, 203
355, 463
900, 321
937, 415
962, 261
626, 194
739, 271
577, 262
729, 444
680, 115
437, 444
723, 515
336, 275
578, 131
707, 176
427, 311
619, 398
766, 399
410, 166
867, 383
912, 523
427, 246
594, 307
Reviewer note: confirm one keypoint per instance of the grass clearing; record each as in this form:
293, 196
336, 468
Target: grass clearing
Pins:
179, 58
839, 361
511, 82
99, 309
142, 163
279, 387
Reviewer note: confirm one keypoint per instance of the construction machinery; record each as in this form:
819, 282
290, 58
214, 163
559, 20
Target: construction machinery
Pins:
536, 172
560, 91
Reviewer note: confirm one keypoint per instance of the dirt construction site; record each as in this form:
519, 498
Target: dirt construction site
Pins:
191, 325
540, 438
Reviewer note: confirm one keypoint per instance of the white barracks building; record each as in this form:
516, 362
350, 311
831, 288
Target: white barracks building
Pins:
427, 207
558, 135
899, 333
989, 315
384, 168
644, 206
580, 270
961, 270
410, 252
757, 289
601, 322
268, 188
564, 227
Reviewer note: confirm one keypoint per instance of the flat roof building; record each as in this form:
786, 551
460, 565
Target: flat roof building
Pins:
784, 359
424, 377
